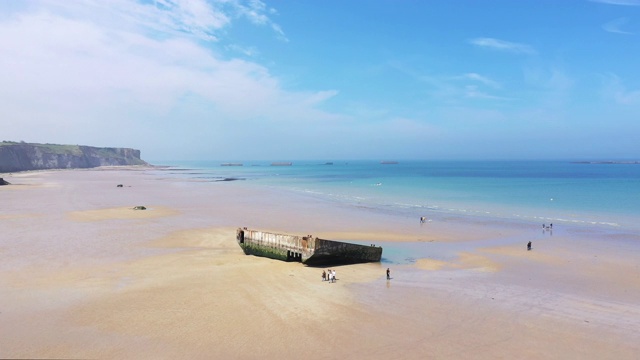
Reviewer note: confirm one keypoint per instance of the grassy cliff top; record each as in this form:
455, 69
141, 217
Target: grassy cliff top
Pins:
49, 148
62, 149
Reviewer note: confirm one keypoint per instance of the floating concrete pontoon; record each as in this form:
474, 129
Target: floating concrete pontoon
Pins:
307, 249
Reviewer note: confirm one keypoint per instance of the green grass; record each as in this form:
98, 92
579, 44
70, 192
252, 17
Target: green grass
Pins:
66, 149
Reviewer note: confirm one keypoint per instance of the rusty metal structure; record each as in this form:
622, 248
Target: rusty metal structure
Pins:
308, 249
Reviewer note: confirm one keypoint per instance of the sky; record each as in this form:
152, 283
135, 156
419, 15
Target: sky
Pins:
330, 79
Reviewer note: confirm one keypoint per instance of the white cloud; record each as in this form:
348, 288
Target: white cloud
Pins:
554, 87
196, 18
502, 45
615, 26
619, 2
201, 19
320, 97
455, 88
482, 79
550, 79
256, 11
471, 91
250, 51
615, 90
113, 77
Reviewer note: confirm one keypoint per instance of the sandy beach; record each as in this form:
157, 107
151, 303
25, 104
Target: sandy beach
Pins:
83, 275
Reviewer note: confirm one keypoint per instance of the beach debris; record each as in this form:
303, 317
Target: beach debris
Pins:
139, 207
119, 185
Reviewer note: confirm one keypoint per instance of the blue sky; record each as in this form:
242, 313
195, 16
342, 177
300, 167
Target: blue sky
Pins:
287, 80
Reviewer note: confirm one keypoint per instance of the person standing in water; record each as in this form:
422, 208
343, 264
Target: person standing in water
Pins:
529, 245
388, 274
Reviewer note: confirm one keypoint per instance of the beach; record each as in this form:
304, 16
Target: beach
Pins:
84, 275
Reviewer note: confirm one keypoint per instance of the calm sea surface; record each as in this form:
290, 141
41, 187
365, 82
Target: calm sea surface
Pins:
589, 194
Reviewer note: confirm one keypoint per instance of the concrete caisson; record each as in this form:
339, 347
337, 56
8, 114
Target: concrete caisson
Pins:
306, 249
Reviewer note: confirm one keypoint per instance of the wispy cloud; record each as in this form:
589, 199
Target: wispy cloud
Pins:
454, 88
615, 89
482, 79
619, 2
256, 11
472, 92
502, 45
550, 79
476, 85
201, 19
554, 86
195, 17
615, 26
247, 51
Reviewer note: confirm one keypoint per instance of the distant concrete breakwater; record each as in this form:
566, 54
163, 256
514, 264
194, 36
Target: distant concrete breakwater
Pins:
308, 249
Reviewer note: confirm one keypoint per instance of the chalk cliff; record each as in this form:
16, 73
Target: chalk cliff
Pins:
24, 156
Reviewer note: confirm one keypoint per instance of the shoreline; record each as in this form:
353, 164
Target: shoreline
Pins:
95, 278
619, 223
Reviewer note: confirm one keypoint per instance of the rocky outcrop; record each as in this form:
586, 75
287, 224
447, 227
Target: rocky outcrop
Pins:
24, 156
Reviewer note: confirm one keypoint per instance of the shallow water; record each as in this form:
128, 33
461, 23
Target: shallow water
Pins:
561, 192
407, 253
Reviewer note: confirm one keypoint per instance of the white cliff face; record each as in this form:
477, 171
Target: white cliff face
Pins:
22, 157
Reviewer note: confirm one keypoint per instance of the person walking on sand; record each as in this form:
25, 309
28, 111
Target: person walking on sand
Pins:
329, 275
324, 275
529, 245
333, 276
388, 274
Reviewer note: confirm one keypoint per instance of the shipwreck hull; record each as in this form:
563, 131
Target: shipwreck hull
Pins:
308, 249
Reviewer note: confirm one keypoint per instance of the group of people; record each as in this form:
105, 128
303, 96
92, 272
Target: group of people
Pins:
329, 275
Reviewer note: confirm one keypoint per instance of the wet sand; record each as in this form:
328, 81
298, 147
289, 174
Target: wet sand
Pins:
83, 275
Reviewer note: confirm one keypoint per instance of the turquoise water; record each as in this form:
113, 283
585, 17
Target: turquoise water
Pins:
593, 194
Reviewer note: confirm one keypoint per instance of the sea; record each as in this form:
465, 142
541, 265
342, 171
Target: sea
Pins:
604, 195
